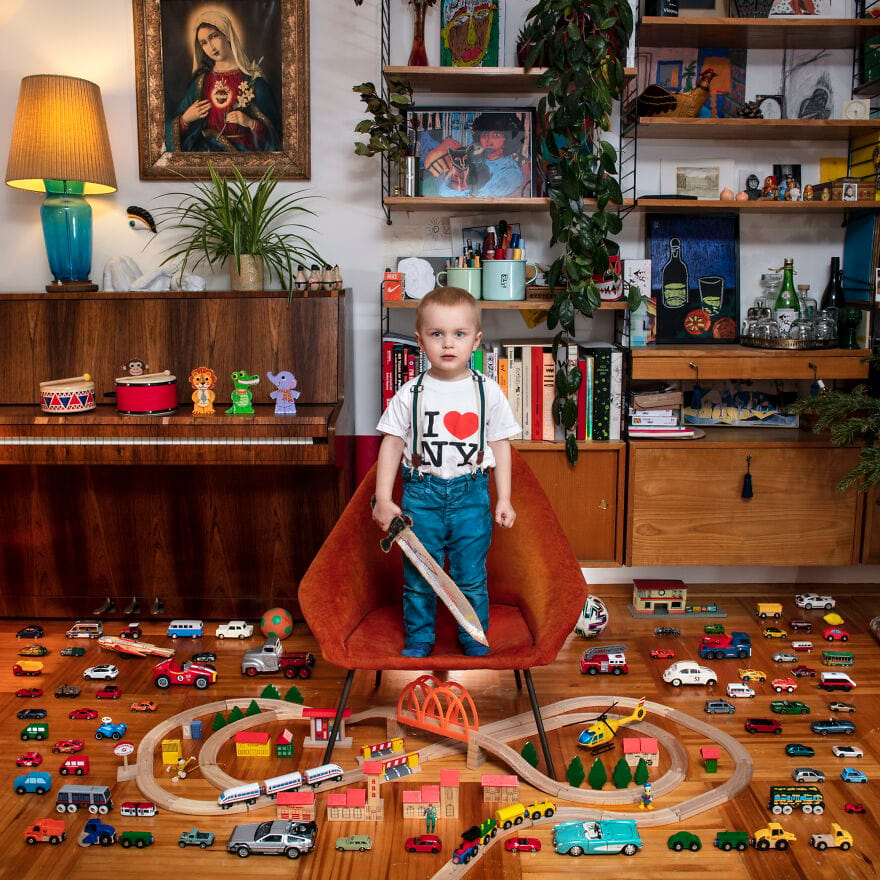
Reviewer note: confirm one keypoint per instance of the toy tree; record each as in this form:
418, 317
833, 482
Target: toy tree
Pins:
641, 776
253, 709
235, 715
598, 775
293, 695
270, 692
530, 753
575, 772
621, 776
219, 722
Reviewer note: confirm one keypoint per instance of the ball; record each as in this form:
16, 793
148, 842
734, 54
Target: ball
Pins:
593, 618
277, 622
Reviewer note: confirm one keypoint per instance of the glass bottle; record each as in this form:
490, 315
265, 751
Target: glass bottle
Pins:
832, 298
490, 243
787, 305
674, 279
418, 56
809, 306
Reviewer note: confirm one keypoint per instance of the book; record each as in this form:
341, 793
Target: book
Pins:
514, 384
503, 377
537, 359
615, 423
657, 399
636, 419
602, 394
661, 432
548, 375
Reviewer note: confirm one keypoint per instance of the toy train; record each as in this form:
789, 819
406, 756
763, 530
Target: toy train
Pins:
250, 791
505, 817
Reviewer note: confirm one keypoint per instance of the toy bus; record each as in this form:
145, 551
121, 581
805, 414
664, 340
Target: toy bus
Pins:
837, 658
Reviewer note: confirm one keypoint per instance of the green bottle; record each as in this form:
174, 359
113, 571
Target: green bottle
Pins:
787, 305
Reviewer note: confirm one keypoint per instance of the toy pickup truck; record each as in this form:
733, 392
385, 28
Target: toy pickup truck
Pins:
774, 835
194, 837
97, 832
28, 667
51, 831
271, 657
837, 838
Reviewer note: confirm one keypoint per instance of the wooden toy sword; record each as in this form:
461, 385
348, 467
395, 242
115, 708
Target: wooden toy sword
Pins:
400, 532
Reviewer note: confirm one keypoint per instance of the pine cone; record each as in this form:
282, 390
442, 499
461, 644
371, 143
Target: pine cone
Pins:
750, 110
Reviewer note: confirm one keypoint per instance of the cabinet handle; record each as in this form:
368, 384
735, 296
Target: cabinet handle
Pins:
603, 504
747, 479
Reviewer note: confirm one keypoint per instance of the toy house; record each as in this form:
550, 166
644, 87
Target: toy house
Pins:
500, 788
658, 596
172, 752
284, 744
252, 744
638, 747
444, 798
320, 724
710, 756
358, 804
298, 806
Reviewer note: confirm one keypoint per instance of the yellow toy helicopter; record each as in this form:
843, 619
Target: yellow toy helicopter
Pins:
599, 735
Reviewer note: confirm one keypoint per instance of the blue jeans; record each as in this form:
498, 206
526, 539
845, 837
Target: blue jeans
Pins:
452, 518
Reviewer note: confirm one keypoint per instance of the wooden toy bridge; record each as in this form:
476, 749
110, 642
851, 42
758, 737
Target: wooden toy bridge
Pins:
443, 707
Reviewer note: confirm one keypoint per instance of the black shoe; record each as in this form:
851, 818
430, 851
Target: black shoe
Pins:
133, 607
158, 606
108, 607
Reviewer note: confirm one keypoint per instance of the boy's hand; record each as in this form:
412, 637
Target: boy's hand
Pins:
384, 512
505, 515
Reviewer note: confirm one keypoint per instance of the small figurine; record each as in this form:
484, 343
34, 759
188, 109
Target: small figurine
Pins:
771, 187
430, 820
301, 281
315, 277
285, 396
647, 798
135, 367
807, 194
140, 219
242, 396
753, 187
203, 380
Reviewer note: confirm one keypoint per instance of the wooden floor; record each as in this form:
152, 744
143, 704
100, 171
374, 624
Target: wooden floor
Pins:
496, 698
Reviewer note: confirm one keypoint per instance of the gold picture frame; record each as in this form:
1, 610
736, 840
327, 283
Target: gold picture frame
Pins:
274, 96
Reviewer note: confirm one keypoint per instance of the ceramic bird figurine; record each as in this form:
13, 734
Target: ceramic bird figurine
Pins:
658, 101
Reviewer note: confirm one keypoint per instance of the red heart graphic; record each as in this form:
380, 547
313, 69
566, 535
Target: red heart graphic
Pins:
461, 425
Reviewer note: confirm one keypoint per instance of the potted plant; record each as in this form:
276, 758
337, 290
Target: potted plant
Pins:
246, 223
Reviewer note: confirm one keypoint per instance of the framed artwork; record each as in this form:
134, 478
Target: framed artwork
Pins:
224, 82
815, 83
695, 276
473, 152
697, 178
702, 8
470, 33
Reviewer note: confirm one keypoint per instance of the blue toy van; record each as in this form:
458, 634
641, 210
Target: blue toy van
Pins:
35, 782
185, 629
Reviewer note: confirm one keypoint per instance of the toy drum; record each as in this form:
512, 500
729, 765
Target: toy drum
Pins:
153, 394
63, 396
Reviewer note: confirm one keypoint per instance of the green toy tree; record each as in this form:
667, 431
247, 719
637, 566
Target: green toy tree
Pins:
642, 775
575, 772
598, 775
621, 775
293, 695
235, 715
219, 722
270, 692
530, 753
253, 709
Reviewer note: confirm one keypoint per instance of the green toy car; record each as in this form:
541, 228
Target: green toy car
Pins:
354, 842
684, 840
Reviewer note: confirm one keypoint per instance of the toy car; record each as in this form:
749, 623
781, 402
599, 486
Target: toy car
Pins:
103, 672
688, 672
762, 725
799, 625
840, 706
718, 707
713, 629
51, 831
774, 632
789, 685
108, 692
802, 671
204, 657
423, 843
684, 840
85, 714
789, 707
850, 774
354, 843
34, 631
833, 725
667, 631
799, 750
269, 838
144, 706
68, 746
29, 693
662, 654
30, 714
29, 759
847, 752
522, 844
854, 808
784, 657
194, 837
602, 836
170, 672
66, 690
75, 651
752, 675
807, 774
809, 601
140, 839
33, 651
235, 629
132, 631
111, 730
835, 634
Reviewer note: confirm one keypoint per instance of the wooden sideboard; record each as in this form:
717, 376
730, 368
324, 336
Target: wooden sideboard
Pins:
216, 516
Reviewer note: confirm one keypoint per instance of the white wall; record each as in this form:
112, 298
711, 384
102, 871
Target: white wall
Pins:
94, 39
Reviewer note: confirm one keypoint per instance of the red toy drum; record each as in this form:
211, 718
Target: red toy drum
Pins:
153, 394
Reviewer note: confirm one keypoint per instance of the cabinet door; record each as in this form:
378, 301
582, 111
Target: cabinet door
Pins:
686, 506
871, 539
587, 498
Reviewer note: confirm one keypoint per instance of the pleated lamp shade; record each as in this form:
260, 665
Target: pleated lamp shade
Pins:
60, 133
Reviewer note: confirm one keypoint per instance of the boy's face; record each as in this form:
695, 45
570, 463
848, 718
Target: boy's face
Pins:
448, 336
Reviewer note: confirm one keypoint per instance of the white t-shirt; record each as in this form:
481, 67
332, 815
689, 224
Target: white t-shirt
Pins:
450, 435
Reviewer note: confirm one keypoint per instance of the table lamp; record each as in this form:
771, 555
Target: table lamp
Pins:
60, 146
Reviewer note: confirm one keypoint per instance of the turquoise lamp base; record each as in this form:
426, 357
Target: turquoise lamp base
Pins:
67, 230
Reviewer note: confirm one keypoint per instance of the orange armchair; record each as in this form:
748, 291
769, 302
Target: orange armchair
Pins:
351, 594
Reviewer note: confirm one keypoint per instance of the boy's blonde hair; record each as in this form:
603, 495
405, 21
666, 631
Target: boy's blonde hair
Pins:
447, 297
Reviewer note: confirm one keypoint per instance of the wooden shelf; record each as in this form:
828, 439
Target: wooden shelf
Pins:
760, 206
663, 362
468, 203
757, 33
504, 81
665, 128
542, 305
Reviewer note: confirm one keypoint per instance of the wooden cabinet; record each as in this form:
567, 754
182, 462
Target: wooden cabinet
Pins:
216, 516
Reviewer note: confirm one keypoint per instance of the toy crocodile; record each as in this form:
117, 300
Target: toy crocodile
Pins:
242, 396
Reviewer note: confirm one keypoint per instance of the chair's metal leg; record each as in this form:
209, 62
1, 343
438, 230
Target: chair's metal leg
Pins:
337, 721
518, 679
539, 723
378, 678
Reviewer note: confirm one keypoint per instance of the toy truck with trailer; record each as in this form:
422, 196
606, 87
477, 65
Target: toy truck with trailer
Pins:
728, 840
27, 667
609, 659
51, 831
734, 644
271, 657
838, 838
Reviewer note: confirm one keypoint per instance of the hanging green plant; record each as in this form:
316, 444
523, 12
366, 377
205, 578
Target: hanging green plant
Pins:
387, 125
583, 43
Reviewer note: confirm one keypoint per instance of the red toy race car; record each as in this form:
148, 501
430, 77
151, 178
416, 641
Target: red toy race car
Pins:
662, 654
68, 746
522, 844
84, 714
170, 672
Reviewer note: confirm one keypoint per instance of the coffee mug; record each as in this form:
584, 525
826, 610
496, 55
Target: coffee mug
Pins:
505, 280
464, 277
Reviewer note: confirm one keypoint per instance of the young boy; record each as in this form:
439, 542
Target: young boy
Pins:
449, 425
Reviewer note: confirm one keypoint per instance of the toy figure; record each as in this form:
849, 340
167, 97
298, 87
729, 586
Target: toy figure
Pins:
203, 379
430, 820
808, 193
285, 397
242, 396
135, 367
771, 187
647, 798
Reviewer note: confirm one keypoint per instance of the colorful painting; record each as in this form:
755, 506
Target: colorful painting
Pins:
470, 33
740, 404
695, 276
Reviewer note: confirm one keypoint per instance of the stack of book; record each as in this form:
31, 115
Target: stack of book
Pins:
657, 415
